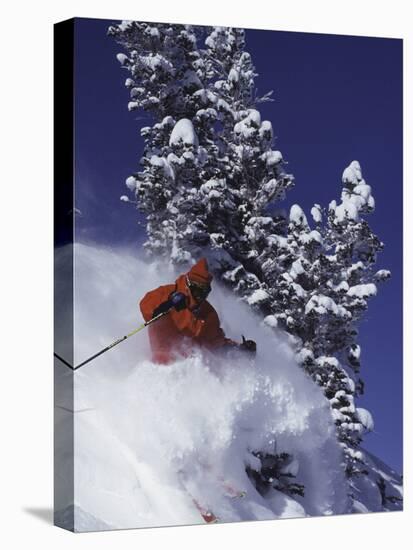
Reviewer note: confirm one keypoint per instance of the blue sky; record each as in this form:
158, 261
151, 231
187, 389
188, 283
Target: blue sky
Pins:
337, 99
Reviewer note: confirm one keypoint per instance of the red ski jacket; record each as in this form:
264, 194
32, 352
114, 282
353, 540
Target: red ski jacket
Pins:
174, 334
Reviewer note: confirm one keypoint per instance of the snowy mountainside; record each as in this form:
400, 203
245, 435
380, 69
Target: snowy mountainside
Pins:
380, 490
152, 444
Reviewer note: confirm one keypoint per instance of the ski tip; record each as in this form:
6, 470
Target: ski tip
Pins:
209, 517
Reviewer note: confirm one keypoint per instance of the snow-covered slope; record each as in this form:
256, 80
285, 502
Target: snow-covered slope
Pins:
150, 442
380, 490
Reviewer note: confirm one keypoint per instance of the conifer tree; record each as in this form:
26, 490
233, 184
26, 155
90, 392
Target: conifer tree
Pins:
209, 172
320, 297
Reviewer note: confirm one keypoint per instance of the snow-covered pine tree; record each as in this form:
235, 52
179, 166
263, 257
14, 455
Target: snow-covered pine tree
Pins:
351, 251
320, 297
254, 173
209, 172
167, 75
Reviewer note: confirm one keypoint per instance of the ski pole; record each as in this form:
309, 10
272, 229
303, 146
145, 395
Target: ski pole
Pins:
113, 344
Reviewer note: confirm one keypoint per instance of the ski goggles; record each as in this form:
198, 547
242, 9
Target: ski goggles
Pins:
199, 291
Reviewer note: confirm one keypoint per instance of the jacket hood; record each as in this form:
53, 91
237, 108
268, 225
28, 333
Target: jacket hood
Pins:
199, 273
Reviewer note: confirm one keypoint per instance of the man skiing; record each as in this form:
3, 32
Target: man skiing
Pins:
191, 318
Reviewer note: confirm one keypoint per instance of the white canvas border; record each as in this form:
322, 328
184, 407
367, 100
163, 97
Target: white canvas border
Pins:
26, 228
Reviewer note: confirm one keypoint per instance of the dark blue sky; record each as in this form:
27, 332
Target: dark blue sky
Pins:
337, 99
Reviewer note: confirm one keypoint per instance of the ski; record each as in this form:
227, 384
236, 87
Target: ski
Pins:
207, 515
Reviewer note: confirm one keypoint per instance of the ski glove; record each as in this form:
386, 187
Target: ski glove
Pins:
248, 345
177, 300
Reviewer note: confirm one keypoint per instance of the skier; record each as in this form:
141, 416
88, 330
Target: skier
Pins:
191, 318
